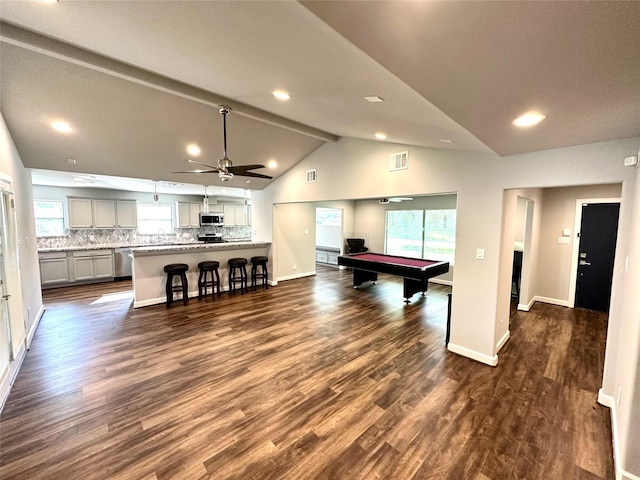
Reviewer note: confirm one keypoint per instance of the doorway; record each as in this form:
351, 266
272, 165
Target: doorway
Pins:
598, 233
328, 235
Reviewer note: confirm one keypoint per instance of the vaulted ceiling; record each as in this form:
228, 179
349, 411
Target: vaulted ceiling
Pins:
138, 81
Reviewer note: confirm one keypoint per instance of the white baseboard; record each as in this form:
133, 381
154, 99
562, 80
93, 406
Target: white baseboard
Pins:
7, 381
525, 307
441, 282
503, 340
472, 354
34, 327
609, 402
296, 275
552, 301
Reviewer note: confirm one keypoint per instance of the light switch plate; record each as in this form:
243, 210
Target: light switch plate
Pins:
480, 253
566, 232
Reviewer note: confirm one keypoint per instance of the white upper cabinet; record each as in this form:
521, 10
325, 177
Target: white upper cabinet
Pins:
97, 213
104, 213
189, 214
80, 213
127, 214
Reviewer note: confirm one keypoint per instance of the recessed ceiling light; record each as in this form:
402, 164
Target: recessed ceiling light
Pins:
272, 164
193, 149
380, 136
529, 119
281, 95
445, 140
374, 99
62, 127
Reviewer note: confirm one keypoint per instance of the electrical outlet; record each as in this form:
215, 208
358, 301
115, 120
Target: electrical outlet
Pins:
295, 267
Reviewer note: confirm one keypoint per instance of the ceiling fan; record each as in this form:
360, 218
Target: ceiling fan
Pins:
225, 168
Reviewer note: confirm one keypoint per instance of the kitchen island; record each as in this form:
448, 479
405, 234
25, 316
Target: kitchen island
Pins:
149, 278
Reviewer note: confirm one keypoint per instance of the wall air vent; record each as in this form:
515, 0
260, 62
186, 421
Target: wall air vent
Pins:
398, 161
312, 176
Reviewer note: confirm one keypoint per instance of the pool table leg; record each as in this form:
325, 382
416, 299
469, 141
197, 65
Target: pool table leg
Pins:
412, 287
361, 276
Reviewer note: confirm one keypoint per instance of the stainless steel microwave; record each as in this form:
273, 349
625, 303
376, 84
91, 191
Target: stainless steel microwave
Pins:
213, 219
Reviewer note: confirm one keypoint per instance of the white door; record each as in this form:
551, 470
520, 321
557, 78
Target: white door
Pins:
13, 321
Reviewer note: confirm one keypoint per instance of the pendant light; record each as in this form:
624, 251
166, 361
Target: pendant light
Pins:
205, 201
155, 193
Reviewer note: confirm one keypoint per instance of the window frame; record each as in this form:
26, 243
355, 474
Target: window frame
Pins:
142, 207
423, 237
62, 220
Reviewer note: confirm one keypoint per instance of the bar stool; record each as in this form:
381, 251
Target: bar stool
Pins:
208, 269
237, 274
178, 270
262, 275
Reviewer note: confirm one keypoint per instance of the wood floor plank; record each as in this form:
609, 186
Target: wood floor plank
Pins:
311, 379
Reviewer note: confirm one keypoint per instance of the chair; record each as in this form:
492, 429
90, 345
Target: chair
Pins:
237, 274
262, 274
178, 270
355, 245
208, 269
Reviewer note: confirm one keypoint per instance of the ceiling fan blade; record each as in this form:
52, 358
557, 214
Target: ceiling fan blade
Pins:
247, 167
250, 174
210, 170
198, 163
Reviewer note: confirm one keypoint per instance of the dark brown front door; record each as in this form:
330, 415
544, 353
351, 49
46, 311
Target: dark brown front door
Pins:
598, 234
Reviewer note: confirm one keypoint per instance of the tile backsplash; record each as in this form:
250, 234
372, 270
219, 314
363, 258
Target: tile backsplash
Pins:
109, 237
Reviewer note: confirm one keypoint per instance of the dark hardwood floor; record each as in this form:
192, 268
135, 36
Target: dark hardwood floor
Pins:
307, 380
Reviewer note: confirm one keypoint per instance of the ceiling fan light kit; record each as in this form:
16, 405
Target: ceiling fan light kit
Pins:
225, 168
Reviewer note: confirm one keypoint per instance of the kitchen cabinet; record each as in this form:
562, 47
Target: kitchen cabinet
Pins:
54, 268
98, 213
104, 213
92, 265
189, 214
237, 215
126, 214
80, 213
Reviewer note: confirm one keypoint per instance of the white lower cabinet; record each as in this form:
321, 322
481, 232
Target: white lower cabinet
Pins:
54, 268
68, 267
92, 265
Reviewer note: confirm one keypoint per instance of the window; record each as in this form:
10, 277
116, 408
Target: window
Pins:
329, 216
153, 220
49, 216
421, 234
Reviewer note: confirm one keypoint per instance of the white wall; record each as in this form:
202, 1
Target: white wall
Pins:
294, 240
621, 383
11, 165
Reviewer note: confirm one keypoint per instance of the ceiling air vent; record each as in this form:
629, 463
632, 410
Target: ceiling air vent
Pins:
398, 161
312, 176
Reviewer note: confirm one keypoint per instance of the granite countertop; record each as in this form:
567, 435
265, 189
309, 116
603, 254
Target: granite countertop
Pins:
195, 246
101, 246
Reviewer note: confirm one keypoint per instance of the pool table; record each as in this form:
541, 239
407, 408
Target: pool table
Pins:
415, 271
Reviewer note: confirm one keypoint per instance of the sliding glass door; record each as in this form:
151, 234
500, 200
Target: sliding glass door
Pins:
427, 234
